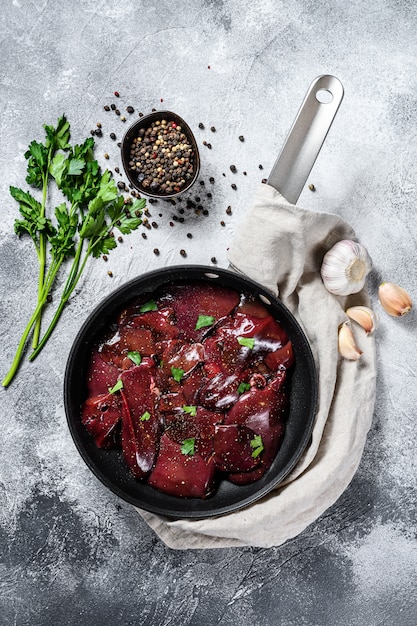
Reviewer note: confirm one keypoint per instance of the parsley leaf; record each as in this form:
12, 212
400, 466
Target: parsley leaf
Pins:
145, 417
243, 387
33, 222
75, 167
37, 168
148, 306
191, 410
62, 242
188, 446
248, 342
257, 445
177, 373
204, 320
117, 386
58, 137
135, 357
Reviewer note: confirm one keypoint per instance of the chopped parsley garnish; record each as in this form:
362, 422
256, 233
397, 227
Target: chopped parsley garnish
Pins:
204, 320
257, 445
148, 306
117, 386
248, 342
191, 410
145, 417
243, 387
187, 446
177, 373
135, 357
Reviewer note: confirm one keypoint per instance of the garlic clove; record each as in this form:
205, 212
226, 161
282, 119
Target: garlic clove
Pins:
394, 299
346, 341
345, 267
364, 316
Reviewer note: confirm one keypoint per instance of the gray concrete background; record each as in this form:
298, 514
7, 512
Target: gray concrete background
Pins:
72, 552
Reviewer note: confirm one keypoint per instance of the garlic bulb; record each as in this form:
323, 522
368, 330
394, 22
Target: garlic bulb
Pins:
395, 300
346, 341
364, 316
345, 267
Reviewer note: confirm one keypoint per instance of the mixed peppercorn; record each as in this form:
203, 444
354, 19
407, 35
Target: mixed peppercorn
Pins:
163, 158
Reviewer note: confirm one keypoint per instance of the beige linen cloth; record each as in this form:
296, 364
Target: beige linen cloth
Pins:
281, 246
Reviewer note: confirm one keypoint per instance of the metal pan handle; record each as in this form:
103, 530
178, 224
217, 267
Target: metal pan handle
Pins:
306, 137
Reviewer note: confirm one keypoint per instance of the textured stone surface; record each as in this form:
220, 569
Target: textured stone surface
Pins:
71, 551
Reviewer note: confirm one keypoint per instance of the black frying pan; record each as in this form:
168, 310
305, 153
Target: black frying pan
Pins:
109, 465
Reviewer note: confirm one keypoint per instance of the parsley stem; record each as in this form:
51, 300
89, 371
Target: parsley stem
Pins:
70, 284
21, 347
42, 251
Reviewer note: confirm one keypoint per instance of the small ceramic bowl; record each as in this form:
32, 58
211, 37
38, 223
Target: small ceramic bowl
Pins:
135, 176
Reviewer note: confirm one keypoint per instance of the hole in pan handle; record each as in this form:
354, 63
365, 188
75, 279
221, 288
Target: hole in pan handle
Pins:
306, 137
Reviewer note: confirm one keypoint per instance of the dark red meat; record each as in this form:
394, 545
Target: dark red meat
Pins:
182, 475
101, 416
140, 435
101, 375
191, 301
261, 410
233, 451
204, 385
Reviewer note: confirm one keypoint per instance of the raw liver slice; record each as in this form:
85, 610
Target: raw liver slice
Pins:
101, 375
139, 437
232, 448
182, 475
190, 301
101, 416
261, 410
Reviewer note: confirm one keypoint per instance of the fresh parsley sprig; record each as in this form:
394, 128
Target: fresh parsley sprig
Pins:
79, 228
39, 157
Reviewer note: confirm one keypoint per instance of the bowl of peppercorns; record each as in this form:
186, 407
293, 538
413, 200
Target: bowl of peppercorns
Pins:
160, 155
